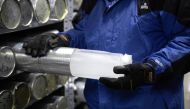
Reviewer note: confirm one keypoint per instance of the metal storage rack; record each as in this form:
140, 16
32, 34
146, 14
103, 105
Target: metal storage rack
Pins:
53, 98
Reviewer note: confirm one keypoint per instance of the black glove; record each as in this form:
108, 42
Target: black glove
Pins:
181, 65
135, 76
39, 45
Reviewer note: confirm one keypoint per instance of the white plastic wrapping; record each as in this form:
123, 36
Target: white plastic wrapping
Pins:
95, 64
83, 63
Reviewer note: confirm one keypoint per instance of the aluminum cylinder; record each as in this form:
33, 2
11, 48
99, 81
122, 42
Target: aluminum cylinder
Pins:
52, 83
41, 10
26, 11
7, 63
10, 14
57, 61
58, 9
6, 100
21, 93
38, 85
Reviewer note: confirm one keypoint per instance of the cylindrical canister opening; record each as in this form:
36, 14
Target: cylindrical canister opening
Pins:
60, 9
42, 11
39, 87
6, 100
26, 11
7, 63
10, 14
21, 95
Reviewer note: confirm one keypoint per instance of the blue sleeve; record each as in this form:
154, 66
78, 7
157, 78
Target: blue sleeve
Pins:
175, 50
76, 35
177, 47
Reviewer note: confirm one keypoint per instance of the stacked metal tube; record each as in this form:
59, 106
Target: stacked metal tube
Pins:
7, 63
57, 61
10, 14
21, 93
41, 10
26, 11
15, 13
6, 99
14, 95
37, 83
58, 9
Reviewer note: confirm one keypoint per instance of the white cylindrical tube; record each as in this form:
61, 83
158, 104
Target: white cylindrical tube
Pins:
71, 61
95, 64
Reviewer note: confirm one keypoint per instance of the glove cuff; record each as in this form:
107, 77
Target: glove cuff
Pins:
59, 41
150, 75
151, 64
64, 40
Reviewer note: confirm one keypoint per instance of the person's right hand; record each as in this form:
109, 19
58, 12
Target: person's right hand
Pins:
39, 45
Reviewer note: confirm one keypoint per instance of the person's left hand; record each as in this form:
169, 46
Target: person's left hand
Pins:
135, 76
40, 44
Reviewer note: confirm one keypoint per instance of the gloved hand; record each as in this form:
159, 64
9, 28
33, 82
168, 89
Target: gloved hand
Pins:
135, 76
39, 45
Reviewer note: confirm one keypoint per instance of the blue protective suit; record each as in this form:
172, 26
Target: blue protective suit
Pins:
115, 26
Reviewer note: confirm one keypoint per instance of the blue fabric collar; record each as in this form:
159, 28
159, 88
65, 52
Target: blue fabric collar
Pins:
110, 3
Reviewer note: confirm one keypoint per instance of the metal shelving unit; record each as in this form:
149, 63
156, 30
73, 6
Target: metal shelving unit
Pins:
31, 26
8, 37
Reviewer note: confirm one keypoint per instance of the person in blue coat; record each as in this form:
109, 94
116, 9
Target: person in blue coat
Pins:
155, 32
